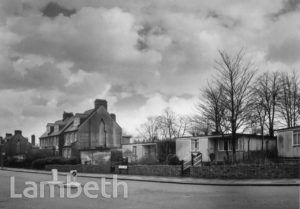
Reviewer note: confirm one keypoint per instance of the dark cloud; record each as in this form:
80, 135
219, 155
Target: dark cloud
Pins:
126, 103
288, 7
39, 100
53, 9
44, 77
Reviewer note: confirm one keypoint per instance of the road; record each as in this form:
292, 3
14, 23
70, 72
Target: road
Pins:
149, 195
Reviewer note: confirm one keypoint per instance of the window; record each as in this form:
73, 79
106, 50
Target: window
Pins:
134, 150
227, 145
195, 145
56, 128
221, 144
296, 138
76, 121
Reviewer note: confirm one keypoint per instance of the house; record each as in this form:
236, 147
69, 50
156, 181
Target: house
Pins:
139, 151
90, 135
288, 142
218, 145
16, 146
126, 139
53, 138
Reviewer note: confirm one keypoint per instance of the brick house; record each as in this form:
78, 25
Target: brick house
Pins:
90, 135
16, 146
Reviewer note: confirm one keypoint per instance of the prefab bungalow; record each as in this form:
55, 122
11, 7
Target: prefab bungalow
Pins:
288, 142
138, 151
217, 146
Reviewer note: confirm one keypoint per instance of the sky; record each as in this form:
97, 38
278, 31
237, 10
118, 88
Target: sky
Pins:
141, 56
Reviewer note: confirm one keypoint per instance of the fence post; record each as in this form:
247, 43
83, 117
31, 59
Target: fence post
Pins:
192, 157
182, 162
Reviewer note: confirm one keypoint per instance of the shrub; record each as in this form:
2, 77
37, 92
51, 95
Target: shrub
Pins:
116, 155
164, 148
146, 161
173, 160
41, 163
212, 157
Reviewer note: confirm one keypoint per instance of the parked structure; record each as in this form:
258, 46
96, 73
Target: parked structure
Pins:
16, 146
288, 142
138, 151
217, 145
90, 135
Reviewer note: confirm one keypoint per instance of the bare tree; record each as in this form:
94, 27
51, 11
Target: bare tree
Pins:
181, 125
235, 77
210, 106
199, 125
267, 90
148, 131
167, 124
258, 117
289, 99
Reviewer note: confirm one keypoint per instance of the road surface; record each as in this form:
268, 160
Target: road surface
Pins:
149, 195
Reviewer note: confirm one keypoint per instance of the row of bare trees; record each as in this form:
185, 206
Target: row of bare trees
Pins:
168, 125
238, 99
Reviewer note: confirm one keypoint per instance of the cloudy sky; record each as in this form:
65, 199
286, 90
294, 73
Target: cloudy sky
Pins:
142, 56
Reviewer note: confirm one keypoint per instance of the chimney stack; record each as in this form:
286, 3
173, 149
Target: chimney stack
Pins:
18, 132
113, 116
33, 140
67, 115
8, 135
100, 102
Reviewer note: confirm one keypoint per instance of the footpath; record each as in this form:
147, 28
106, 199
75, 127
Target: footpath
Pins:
176, 180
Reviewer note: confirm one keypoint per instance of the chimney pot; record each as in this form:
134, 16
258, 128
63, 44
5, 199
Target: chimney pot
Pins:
18, 132
100, 102
113, 116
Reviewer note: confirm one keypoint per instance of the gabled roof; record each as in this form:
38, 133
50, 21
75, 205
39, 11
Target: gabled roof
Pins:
94, 112
82, 117
16, 137
64, 123
68, 124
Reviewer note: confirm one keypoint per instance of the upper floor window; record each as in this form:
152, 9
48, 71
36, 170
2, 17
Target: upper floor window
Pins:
48, 128
296, 138
56, 128
76, 121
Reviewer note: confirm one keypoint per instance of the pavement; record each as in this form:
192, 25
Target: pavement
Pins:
177, 180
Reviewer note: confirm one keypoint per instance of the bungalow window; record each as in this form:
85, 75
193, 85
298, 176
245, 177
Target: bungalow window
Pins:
134, 150
195, 145
227, 145
296, 138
